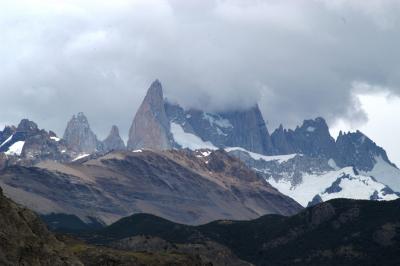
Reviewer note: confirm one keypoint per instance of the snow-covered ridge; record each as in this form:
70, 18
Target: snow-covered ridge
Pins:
385, 173
256, 156
16, 148
343, 183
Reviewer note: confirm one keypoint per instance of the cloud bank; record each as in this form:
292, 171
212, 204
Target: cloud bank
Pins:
298, 59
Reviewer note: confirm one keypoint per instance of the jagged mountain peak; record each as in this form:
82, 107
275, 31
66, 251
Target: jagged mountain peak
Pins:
79, 136
311, 138
312, 125
113, 140
80, 118
114, 131
355, 148
150, 128
27, 125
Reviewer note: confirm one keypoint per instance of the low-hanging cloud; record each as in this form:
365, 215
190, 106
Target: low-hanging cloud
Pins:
297, 59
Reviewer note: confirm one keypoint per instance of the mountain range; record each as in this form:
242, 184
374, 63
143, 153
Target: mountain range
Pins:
337, 232
103, 181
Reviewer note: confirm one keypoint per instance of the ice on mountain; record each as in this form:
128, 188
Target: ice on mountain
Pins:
311, 129
216, 120
16, 148
256, 156
188, 140
55, 138
7, 140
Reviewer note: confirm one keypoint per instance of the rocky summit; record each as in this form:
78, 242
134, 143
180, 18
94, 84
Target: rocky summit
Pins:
150, 128
79, 136
113, 142
27, 144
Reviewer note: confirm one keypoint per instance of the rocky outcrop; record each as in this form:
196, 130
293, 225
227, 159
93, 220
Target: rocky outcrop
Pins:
26, 241
114, 141
242, 128
32, 144
150, 128
282, 141
79, 136
356, 149
312, 138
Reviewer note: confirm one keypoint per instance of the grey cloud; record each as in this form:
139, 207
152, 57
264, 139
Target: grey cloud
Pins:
298, 59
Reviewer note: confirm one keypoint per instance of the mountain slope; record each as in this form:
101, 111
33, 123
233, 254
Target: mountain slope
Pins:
26, 241
183, 186
338, 232
311, 180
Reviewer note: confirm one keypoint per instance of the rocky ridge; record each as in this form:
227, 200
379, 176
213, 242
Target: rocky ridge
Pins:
337, 232
183, 186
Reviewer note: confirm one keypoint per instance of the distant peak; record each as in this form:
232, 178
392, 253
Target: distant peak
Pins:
318, 122
27, 125
80, 118
155, 87
81, 114
114, 131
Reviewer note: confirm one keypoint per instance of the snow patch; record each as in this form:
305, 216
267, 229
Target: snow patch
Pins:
137, 151
7, 140
217, 120
188, 140
80, 157
333, 164
55, 138
311, 129
16, 148
203, 153
385, 173
257, 156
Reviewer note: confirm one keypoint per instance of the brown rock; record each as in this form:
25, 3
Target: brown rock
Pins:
150, 128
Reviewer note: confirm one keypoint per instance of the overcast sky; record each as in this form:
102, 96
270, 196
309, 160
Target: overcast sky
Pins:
299, 59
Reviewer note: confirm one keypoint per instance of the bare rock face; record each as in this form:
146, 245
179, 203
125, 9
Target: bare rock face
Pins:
114, 141
240, 128
79, 136
150, 128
